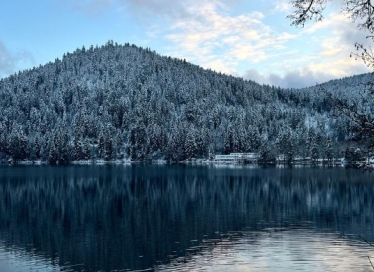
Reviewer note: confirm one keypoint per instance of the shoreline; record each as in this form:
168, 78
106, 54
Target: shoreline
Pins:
193, 162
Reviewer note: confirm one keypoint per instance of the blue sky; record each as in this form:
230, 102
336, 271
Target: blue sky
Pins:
252, 39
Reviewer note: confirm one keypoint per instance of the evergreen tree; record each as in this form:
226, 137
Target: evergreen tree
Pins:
314, 151
37, 148
285, 145
86, 150
3, 139
59, 148
54, 151
77, 150
329, 150
18, 145
128, 99
101, 145
266, 155
190, 145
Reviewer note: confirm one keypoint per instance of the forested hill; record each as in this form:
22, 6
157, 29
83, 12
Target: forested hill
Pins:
122, 101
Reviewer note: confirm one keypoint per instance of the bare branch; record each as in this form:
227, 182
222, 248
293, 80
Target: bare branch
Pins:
371, 262
360, 11
366, 55
307, 10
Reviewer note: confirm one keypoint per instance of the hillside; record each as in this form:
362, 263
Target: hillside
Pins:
122, 101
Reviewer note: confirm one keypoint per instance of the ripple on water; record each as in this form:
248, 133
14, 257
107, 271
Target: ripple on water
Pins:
277, 250
13, 259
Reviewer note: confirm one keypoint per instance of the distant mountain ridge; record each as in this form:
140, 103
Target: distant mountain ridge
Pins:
125, 102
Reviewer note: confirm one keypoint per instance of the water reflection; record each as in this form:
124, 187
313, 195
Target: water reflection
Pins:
287, 250
90, 218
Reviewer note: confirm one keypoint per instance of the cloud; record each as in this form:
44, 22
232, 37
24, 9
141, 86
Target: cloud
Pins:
214, 36
257, 44
210, 34
282, 6
307, 76
138, 9
299, 79
10, 62
163, 8
204, 32
293, 79
340, 31
322, 53
6, 60
336, 46
171, 9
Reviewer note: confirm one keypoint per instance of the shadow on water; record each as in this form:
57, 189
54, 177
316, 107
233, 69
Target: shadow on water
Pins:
136, 217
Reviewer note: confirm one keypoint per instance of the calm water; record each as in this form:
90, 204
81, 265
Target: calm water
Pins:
178, 218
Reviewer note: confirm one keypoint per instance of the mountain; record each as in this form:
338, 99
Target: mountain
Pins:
123, 101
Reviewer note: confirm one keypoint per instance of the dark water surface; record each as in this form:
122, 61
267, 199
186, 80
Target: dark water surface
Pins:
185, 218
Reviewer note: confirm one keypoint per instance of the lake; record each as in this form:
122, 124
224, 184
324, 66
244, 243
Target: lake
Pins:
185, 218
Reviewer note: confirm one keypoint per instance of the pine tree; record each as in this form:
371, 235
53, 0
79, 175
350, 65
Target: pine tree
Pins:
37, 148
3, 137
108, 148
266, 155
101, 146
190, 145
59, 149
54, 151
77, 151
18, 145
64, 147
86, 150
285, 143
329, 150
314, 151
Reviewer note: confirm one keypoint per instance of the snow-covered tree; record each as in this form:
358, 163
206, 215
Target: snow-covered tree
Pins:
190, 145
130, 101
18, 145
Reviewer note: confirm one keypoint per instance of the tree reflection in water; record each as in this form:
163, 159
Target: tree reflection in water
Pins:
136, 217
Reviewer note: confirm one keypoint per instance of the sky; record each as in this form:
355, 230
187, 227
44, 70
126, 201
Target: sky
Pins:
251, 39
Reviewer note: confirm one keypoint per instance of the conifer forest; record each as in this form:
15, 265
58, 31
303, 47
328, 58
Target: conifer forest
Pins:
123, 102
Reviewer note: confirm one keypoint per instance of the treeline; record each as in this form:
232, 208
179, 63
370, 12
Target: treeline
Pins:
125, 102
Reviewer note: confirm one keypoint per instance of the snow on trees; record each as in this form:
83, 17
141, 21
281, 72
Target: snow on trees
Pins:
122, 101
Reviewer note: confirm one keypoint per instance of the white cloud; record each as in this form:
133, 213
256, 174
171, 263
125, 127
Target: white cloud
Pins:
163, 8
223, 42
10, 62
293, 79
6, 60
336, 46
282, 6
231, 39
138, 9
173, 9
307, 75
216, 34
322, 53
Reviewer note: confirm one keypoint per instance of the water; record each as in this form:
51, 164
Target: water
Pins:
185, 218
